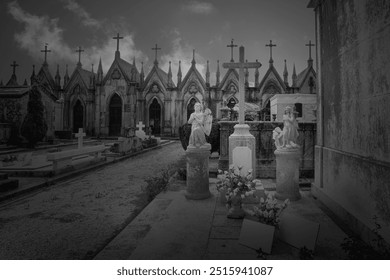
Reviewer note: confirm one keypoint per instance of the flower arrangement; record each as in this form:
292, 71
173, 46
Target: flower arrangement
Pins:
269, 210
235, 184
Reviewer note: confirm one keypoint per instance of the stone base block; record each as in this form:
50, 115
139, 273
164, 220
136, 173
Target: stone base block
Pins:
198, 172
287, 174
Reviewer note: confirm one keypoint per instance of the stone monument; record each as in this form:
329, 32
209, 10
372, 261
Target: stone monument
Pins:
287, 158
197, 154
242, 150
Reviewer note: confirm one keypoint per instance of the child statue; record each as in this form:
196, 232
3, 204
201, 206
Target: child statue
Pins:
287, 138
201, 125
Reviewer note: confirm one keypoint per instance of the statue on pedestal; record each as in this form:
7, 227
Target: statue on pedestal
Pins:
287, 138
201, 125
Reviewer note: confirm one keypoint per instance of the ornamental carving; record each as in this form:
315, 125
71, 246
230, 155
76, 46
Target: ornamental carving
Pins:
193, 88
232, 89
116, 75
154, 88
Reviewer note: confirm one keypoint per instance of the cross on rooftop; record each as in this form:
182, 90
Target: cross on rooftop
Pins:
45, 51
79, 51
241, 65
117, 38
270, 45
80, 136
155, 49
310, 45
232, 46
14, 65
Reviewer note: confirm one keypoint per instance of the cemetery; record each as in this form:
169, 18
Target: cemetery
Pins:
135, 167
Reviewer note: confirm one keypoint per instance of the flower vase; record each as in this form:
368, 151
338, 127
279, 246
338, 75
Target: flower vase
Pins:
235, 210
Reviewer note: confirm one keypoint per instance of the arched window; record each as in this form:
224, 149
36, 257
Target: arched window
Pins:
190, 107
231, 103
298, 109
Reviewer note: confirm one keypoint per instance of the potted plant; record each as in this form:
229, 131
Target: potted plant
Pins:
235, 187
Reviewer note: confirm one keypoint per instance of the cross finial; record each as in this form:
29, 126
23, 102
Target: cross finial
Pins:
310, 45
155, 56
45, 51
14, 65
79, 51
117, 38
270, 45
232, 46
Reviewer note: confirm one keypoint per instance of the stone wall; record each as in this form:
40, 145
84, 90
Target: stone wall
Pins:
265, 157
353, 149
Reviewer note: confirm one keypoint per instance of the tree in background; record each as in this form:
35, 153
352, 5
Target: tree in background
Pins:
34, 125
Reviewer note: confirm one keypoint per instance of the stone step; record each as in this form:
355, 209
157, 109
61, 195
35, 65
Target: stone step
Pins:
8, 184
3, 176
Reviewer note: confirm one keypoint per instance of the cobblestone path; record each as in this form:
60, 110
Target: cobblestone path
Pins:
76, 218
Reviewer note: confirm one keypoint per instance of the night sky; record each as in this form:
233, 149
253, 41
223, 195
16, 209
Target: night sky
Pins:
176, 26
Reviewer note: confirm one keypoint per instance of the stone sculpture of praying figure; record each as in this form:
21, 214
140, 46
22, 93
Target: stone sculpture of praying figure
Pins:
287, 138
200, 125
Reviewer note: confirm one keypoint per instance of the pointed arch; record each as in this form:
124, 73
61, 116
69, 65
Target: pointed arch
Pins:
78, 115
115, 114
154, 115
190, 107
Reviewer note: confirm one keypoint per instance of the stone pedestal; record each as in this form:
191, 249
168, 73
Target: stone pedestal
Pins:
242, 149
287, 174
198, 172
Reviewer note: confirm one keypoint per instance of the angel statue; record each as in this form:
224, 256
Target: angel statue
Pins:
201, 125
287, 137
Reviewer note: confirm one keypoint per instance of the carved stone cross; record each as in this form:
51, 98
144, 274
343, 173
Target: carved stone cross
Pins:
241, 65
80, 136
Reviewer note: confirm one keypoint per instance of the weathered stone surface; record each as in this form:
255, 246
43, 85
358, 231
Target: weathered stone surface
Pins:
287, 174
198, 172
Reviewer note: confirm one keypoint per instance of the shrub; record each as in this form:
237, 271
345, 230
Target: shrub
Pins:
34, 125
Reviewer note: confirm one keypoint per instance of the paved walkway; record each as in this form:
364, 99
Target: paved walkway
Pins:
172, 227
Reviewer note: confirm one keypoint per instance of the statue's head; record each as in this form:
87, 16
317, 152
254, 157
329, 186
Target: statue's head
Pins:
198, 107
288, 109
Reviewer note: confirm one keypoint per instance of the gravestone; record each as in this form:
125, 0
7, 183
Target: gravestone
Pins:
242, 138
80, 136
140, 133
257, 235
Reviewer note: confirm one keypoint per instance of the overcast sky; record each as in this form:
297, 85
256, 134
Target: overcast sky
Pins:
177, 26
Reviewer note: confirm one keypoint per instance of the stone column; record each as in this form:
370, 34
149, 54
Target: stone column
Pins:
287, 174
198, 172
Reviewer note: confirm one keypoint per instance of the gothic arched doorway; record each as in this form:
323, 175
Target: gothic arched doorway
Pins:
78, 116
155, 117
190, 108
115, 116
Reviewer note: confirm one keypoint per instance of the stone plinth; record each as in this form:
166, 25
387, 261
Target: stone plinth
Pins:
287, 174
242, 150
198, 172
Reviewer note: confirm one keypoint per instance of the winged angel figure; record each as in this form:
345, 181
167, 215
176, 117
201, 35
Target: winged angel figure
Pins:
201, 122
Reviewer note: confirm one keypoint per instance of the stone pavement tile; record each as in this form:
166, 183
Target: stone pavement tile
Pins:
183, 234
222, 220
228, 246
220, 256
225, 232
124, 243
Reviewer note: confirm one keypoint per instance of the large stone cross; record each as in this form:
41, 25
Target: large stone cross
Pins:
80, 136
117, 38
14, 65
156, 49
310, 45
241, 65
79, 51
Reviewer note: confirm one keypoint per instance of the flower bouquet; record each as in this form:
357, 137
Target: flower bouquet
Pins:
269, 210
236, 187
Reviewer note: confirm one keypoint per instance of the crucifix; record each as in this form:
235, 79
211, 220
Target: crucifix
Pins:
270, 45
79, 51
156, 49
310, 45
80, 136
241, 65
117, 38
231, 46
14, 65
45, 51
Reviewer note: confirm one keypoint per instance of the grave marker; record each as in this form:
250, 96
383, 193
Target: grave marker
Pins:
80, 136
